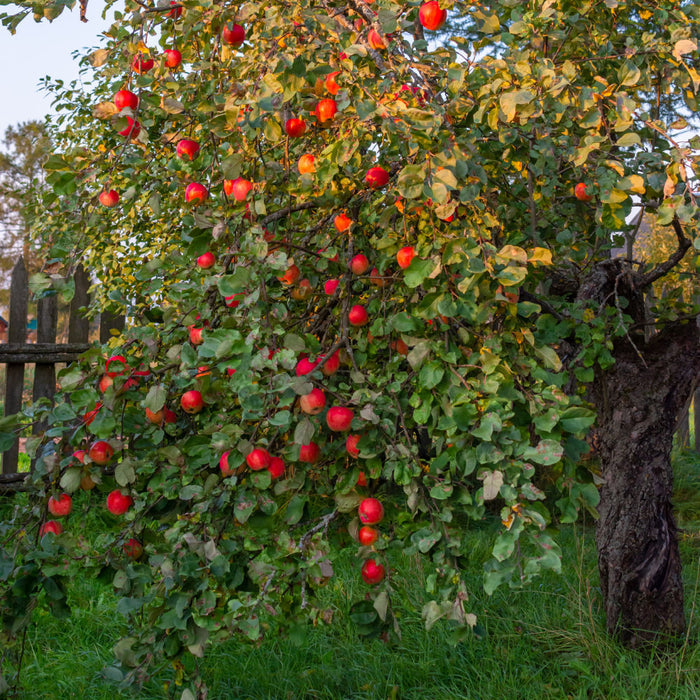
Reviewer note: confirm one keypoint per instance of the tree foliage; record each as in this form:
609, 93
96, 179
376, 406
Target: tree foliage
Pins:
463, 396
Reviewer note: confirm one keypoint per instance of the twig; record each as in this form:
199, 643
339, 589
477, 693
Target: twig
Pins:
663, 269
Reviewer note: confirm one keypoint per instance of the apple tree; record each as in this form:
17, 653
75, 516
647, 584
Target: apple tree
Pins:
366, 264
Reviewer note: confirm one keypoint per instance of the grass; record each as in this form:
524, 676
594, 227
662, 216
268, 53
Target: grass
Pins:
546, 641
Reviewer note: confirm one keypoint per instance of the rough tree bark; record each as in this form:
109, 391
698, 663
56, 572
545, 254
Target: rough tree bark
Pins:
638, 402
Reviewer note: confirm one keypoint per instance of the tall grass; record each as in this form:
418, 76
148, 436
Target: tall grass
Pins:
545, 641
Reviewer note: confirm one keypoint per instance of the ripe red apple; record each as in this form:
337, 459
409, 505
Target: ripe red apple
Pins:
309, 453
376, 177
331, 365
326, 109
173, 58
258, 459
330, 286
290, 276
115, 365
371, 511
376, 279
192, 401
60, 506
80, 456
196, 193
206, 260
132, 130
367, 535
226, 470
51, 526
125, 98
295, 127
90, 415
400, 346
109, 198
359, 264
351, 445
233, 35
331, 85
302, 291
339, 418
118, 503
105, 383
361, 479
405, 255
357, 316
342, 222
133, 548
276, 467
196, 335
100, 452
141, 64
431, 16
187, 148
155, 417
239, 188
176, 12
375, 40
305, 366
306, 164
580, 192
313, 403
234, 300
372, 573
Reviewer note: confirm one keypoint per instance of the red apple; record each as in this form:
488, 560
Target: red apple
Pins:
239, 188
330, 286
233, 35
132, 130
226, 469
357, 316
133, 548
100, 452
141, 64
376, 177
60, 506
80, 456
306, 164
196, 335
331, 85
192, 401
313, 403
115, 365
276, 467
206, 260
405, 255
109, 198
331, 365
361, 479
305, 366
105, 383
295, 127
367, 535
234, 300
342, 222
339, 418
125, 98
376, 279
155, 417
326, 109
196, 193
51, 526
309, 453
359, 264
290, 276
371, 511
351, 445
258, 459
176, 12
431, 16
118, 503
372, 573
187, 148
90, 415
173, 58
580, 192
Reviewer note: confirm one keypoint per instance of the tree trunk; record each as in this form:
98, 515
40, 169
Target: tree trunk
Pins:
638, 402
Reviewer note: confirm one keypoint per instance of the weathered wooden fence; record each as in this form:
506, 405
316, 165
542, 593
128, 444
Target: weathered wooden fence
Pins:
46, 353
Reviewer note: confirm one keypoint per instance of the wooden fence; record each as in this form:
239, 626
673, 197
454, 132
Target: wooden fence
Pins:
46, 353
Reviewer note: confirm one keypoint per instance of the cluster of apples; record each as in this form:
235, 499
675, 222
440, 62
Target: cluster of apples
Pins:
371, 512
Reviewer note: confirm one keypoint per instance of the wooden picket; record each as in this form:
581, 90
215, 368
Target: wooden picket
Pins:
46, 353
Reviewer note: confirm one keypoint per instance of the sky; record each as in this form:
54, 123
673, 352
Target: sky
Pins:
39, 49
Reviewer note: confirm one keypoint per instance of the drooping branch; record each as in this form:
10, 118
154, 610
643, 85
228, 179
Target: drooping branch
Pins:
665, 267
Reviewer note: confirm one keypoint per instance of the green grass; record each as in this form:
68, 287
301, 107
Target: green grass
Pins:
547, 641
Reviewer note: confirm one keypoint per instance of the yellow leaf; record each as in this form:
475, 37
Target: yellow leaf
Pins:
684, 46
104, 110
513, 252
171, 105
616, 166
542, 256
97, 58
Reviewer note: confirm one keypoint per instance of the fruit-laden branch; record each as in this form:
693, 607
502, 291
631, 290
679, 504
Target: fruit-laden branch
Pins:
662, 269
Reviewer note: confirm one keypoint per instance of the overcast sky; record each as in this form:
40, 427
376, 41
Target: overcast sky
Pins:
39, 49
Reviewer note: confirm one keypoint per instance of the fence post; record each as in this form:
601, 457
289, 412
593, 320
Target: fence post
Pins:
17, 333
78, 323
45, 372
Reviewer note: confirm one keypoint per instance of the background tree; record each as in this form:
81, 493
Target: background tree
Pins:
362, 265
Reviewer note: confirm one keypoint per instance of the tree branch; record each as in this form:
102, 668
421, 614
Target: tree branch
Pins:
660, 270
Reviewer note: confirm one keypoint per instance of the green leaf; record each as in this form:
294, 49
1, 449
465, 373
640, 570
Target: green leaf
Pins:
547, 452
156, 397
